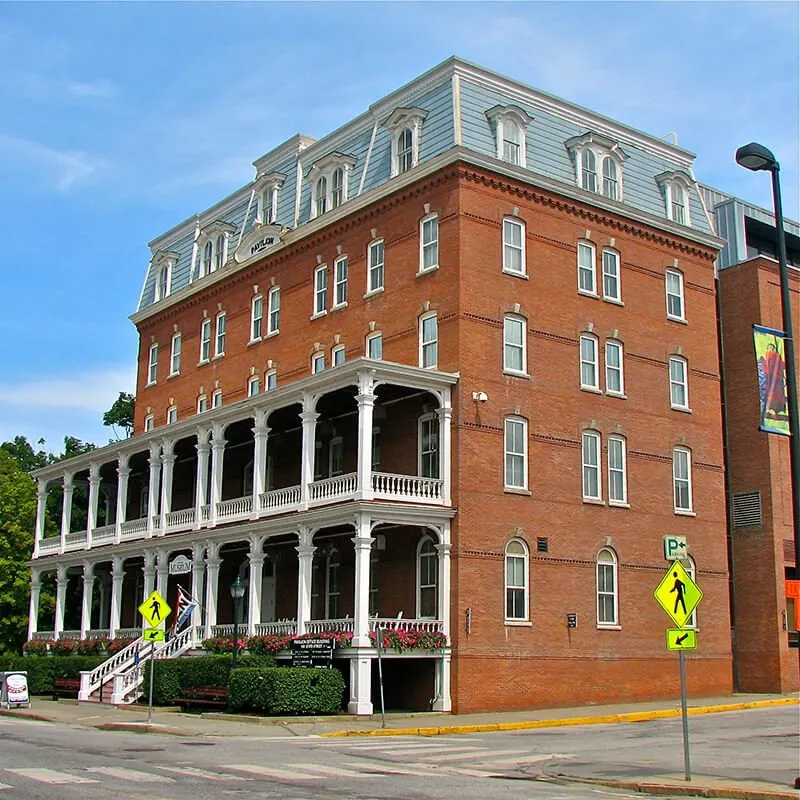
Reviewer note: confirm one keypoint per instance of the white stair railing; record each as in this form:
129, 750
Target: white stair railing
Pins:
92, 680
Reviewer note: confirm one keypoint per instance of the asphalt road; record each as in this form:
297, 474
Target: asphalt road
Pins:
42, 760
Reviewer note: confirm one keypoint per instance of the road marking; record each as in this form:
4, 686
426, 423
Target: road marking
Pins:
196, 772
381, 769
270, 772
476, 754
532, 759
334, 772
135, 775
5, 786
51, 776
389, 746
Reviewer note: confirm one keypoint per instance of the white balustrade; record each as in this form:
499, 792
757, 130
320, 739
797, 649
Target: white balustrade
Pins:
43, 636
340, 487
227, 630
280, 499
387, 486
74, 635
49, 545
183, 518
317, 626
239, 506
133, 528
205, 513
73, 540
98, 633
105, 533
128, 633
282, 628
390, 623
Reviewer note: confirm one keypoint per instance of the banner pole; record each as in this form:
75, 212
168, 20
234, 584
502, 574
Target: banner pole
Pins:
152, 680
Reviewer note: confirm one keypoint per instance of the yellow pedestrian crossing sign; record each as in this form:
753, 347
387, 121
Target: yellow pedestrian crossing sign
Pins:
681, 639
155, 610
154, 635
678, 594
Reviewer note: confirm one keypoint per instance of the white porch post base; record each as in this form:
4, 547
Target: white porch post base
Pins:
441, 679
360, 686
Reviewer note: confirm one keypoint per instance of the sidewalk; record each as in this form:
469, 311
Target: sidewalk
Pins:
172, 721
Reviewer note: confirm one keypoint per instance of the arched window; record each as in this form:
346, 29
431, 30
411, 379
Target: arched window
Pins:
322, 196
516, 580
337, 188
678, 204
512, 139
405, 150
208, 254
610, 180
589, 171
427, 579
607, 603
219, 255
247, 479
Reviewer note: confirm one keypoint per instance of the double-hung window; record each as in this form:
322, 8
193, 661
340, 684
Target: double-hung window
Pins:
514, 246
429, 446
219, 339
682, 479
252, 386
516, 571
202, 404
317, 363
427, 579
675, 300
617, 471
172, 415
216, 399
429, 243
428, 341
615, 379
678, 198
149, 423
162, 284
589, 170
375, 263
175, 355
405, 150
208, 258
320, 290
337, 355
514, 355
512, 142
589, 372
592, 487
340, 282
322, 196
610, 179
337, 187
205, 341
219, 252
271, 380
678, 383
256, 318
375, 345
152, 366
586, 268
607, 603
274, 318
516, 453
611, 287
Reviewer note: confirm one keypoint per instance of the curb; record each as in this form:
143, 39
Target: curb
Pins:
604, 719
8, 712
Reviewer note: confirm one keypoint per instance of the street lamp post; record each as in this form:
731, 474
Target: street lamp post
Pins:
237, 593
758, 158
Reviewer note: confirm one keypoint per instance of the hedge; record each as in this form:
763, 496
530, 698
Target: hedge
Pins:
286, 690
43, 671
173, 675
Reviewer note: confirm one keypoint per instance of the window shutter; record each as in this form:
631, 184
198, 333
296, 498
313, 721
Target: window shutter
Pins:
747, 510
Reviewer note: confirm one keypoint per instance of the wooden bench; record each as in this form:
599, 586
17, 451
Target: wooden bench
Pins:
66, 687
203, 697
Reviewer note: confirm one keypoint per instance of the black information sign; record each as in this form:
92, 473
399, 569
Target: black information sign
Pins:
312, 652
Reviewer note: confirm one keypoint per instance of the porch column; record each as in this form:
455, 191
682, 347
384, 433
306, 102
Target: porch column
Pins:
86, 607
445, 415
33, 609
201, 484
117, 576
94, 498
123, 472
198, 568
149, 571
41, 510
162, 572
260, 434
362, 543
213, 562
61, 596
167, 467
442, 701
66, 510
366, 406
305, 560
256, 561
153, 489
217, 461
308, 417
441, 685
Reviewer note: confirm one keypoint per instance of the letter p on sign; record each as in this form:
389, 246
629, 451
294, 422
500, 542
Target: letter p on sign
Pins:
674, 547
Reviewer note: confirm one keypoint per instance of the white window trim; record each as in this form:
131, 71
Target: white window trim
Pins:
682, 295
253, 380
274, 292
323, 169
333, 566
320, 291
431, 417
585, 244
268, 378
149, 423
422, 244
217, 393
337, 283
526, 580
677, 509
317, 359
601, 147
370, 266
152, 365
172, 415
256, 337
175, 355
598, 467
667, 181
340, 348
202, 400
591, 387
435, 585
434, 343
685, 384
400, 120
506, 452
370, 337
618, 344
618, 261
523, 254
524, 346
211, 235
336, 441
205, 325
219, 352
623, 502
501, 116
614, 564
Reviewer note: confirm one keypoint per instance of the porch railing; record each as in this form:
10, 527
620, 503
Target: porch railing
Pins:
73, 539
50, 545
280, 499
237, 507
98, 633
282, 628
317, 626
43, 636
205, 513
133, 528
76, 635
329, 490
128, 633
105, 533
391, 623
406, 487
183, 518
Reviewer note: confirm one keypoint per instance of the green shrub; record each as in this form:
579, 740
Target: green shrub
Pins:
286, 690
167, 681
44, 670
252, 689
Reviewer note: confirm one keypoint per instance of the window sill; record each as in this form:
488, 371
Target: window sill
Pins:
513, 274
513, 490
618, 504
603, 627
273, 333
339, 306
594, 501
427, 270
587, 293
202, 363
257, 340
517, 623
591, 389
679, 320
173, 375
373, 292
682, 409
512, 373
614, 301
150, 383
684, 513
620, 395
319, 314
218, 356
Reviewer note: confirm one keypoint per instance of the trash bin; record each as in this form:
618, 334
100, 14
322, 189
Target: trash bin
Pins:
14, 689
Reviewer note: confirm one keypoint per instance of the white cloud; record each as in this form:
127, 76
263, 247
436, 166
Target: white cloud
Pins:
97, 89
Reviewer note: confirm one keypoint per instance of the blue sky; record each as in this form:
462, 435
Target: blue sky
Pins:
117, 121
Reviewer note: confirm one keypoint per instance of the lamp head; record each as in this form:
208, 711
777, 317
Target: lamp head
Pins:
237, 589
756, 157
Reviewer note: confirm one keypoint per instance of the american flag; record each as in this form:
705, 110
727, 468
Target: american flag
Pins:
186, 605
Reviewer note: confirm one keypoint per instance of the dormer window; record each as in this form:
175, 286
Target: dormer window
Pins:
405, 127
598, 163
163, 264
212, 247
329, 182
675, 187
266, 188
510, 124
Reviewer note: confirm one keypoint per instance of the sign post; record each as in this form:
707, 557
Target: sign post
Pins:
679, 595
155, 611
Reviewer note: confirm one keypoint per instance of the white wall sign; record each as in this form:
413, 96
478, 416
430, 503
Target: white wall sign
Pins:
263, 238
180, 565
15, 690
674, 547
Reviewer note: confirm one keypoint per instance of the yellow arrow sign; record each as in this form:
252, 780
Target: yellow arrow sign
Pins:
678, 594
681, 639
155, 609
154, 635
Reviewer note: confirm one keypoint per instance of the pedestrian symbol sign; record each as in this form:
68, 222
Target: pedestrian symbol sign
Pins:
681, 639
154, 635
155, 609
678, 594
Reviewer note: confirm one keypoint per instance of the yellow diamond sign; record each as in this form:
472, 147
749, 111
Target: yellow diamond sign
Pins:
155, 609
678, 594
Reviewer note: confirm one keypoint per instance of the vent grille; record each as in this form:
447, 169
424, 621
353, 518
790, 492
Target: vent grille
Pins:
747, 510
542, 545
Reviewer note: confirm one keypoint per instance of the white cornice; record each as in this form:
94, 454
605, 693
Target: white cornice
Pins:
289, 149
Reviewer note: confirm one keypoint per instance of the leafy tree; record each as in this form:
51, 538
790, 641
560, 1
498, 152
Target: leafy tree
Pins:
121, 414
24, 454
